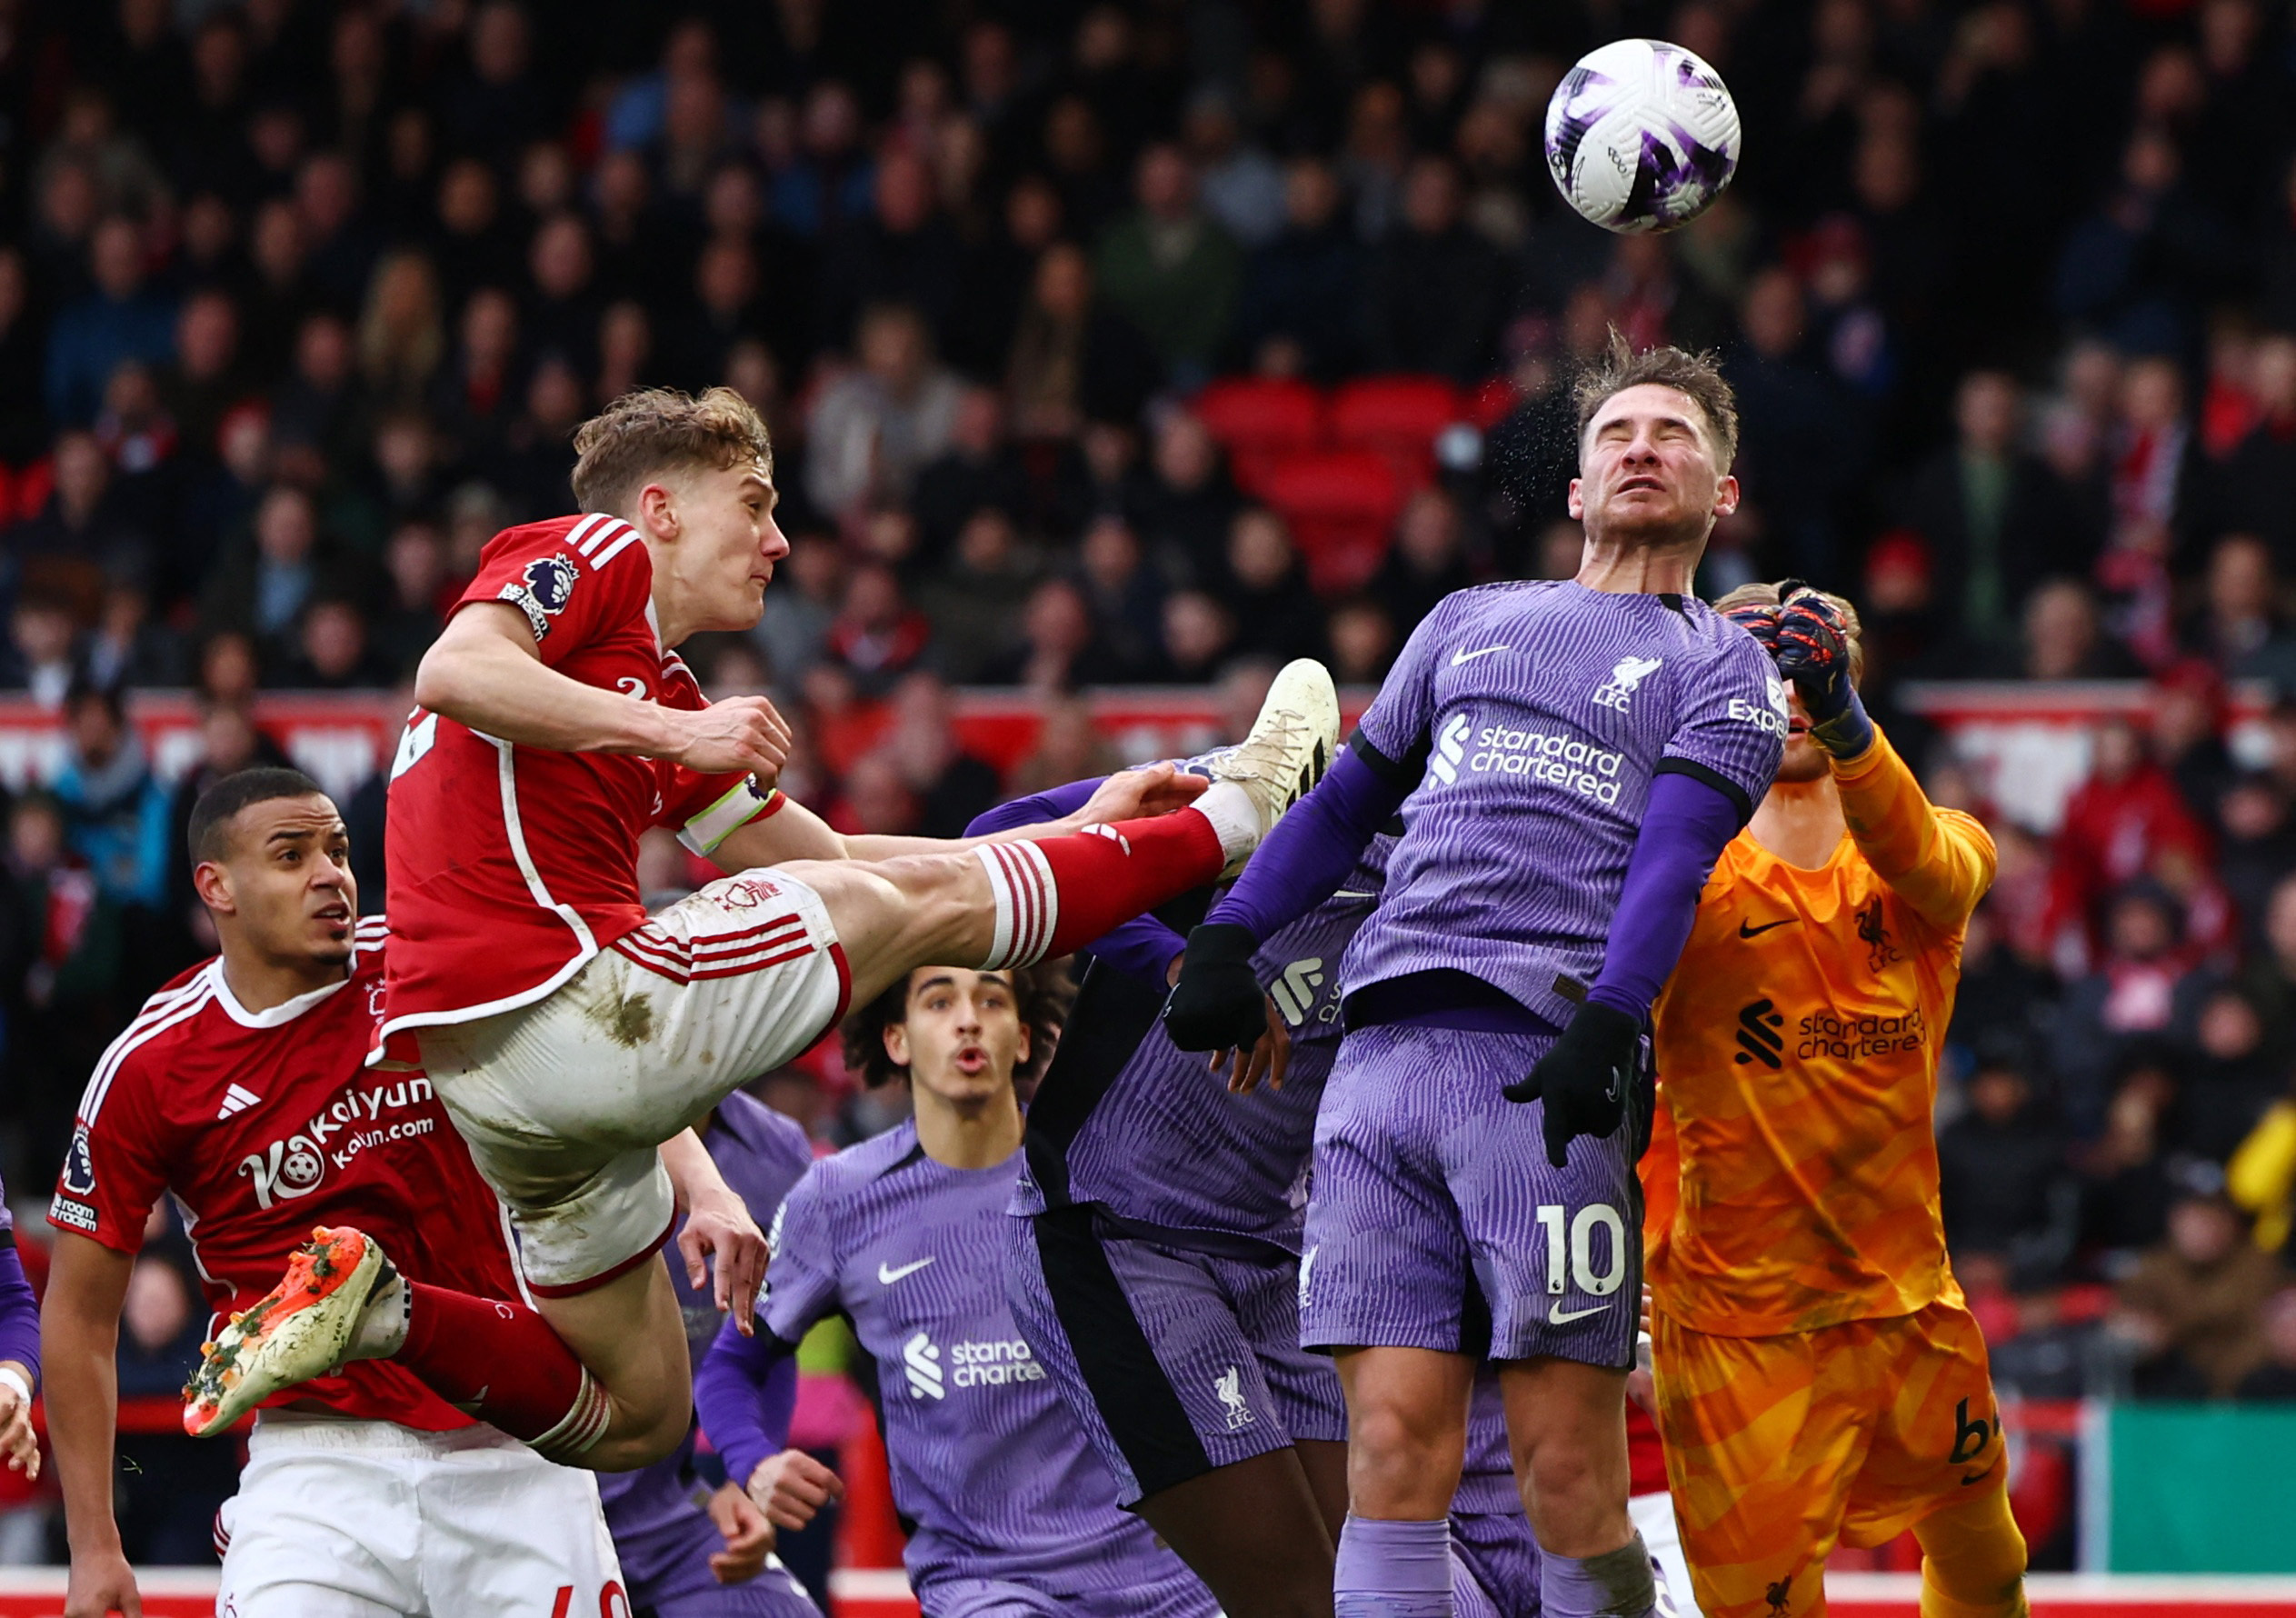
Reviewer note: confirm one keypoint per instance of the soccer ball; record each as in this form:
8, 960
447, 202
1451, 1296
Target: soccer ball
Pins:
1641, 136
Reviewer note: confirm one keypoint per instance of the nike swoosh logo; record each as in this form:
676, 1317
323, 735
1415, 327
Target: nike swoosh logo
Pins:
1459, 658
1560, 1316
1746, 932
887, 1274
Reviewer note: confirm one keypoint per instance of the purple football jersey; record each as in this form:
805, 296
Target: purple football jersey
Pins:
655, 1514
1532, 717
984, 1456
1125, 1119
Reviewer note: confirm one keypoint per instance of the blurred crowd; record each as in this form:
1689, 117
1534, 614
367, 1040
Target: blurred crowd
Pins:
1153, 343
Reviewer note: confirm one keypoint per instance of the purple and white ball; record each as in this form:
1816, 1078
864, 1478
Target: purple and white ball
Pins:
1641, 136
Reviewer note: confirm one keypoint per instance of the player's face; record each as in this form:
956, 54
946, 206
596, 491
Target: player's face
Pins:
287, 883
727, 544
1647, 472
963, 1035
1805, 759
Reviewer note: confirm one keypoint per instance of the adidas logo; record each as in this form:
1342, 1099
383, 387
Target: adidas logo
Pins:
922, 1363
1294, 992
1450, 749
1757, 1039
236, 1100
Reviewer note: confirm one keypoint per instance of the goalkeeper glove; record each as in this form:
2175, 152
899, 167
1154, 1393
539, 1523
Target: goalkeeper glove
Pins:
1814, 652
1583, 1076
1216, 1005
1759, 619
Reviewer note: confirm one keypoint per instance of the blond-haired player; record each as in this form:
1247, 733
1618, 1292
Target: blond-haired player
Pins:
1819, 1380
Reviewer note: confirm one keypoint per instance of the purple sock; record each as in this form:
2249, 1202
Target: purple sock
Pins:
1616, 1585
1392, 1570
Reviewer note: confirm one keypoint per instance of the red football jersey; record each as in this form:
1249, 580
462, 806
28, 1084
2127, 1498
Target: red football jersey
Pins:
511, 866
262, 1125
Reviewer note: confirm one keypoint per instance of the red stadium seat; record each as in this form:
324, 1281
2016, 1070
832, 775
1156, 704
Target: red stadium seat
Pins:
1341, 505
1259, 420
1397, 417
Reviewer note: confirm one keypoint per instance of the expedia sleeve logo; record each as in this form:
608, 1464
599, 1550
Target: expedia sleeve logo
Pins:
542, 591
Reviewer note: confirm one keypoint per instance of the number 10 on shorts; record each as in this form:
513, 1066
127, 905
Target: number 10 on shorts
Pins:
1590, 1218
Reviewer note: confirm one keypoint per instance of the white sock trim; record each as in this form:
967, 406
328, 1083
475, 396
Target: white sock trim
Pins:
1233, 817
1027, 901
579, 1430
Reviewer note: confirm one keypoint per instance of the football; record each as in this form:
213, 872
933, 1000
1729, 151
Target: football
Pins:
1641, 136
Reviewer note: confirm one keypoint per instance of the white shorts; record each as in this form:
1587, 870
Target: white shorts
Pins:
1653, 1517
337, 1518
564, 1103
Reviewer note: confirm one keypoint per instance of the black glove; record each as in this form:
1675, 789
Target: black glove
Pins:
1217, 1005
1583, 1076
1813, 651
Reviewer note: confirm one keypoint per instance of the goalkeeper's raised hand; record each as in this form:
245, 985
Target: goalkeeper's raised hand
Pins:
1583, 1078
1813, 651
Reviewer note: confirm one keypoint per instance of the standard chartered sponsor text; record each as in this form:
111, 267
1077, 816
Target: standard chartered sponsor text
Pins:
1575, 765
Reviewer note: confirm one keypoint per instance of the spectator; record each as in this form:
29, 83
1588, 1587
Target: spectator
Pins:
332, 652
263, 584
41, 634
2000, 1177
321, 407
205, 378
2275, 1379
978, 470
1266, 590
116, 810
1300, 310
476, 392
562, 306
1243, 187
949, 785
1170, 268
127, 649
1199, 636
401, 339
120, 319
2198, 1298
876, 427
2063, 639
975, 601
902, 252
1069, 747
1428, 561
2127, 1179
1073, 362
1125, 590
1361, 634
1435, 289
2232, 1081
82, 527
2239, 628
1185, 503
1799, 447
2137, 989
1058, 650
876, 636
2117, 824
1996, 518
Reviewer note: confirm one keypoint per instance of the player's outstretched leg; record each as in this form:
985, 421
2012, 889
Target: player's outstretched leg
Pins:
1972, 1560
1566, 1423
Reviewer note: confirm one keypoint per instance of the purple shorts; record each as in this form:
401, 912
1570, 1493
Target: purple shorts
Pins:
1182, 1595
669, 1575
1436, 1220
1494, 1565
1175, 1360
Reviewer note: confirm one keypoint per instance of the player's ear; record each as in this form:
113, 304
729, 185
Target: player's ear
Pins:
658, 510
212, 881
1726, 495
1027, 1034
897, 1043
1573, 502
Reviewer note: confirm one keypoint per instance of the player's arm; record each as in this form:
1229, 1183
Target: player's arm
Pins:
717, 1223
19, 1360
1938, 860
80, 1331
486, 670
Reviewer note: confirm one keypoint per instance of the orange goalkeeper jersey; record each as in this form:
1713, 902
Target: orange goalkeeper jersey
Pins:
1791, 1181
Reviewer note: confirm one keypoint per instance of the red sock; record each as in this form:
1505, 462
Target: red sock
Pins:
1058, 893
502, 1362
